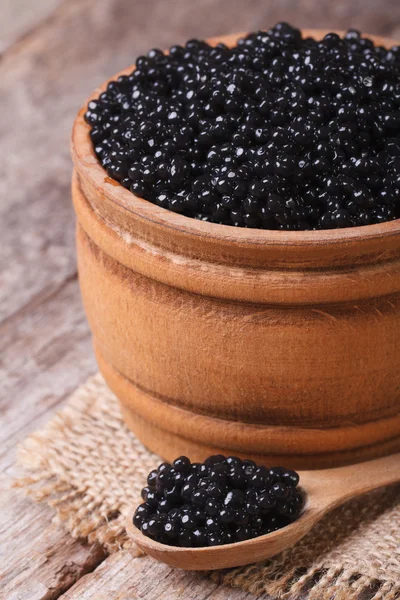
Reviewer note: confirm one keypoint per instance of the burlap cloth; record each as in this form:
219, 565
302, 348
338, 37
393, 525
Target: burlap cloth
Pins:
90, 469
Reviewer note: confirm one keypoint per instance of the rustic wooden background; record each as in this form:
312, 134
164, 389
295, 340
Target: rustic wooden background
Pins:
53, 53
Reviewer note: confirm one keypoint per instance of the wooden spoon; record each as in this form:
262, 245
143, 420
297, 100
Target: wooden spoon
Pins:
324, 491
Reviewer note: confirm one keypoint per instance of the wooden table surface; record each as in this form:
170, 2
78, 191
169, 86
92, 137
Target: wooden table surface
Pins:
54, 52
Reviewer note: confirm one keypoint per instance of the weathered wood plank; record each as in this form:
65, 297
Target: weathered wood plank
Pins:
45, 355
39, 560
19, 16
120, 576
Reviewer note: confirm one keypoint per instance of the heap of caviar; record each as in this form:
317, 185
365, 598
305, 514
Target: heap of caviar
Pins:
278, 132
220, 501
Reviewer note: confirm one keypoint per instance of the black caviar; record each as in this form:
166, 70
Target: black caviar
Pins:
279, 132
220, 501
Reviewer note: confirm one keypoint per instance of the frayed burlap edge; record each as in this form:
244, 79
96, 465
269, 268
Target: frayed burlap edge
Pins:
87, 466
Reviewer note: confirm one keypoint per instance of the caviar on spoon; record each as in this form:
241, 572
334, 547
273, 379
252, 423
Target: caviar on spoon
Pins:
324, 490
221, 501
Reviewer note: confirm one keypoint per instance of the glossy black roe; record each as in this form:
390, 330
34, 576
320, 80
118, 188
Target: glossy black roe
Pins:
278, 132
220, 501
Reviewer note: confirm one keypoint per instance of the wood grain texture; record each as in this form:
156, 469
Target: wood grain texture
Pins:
45, 353
44, 79
124, 578
39, 560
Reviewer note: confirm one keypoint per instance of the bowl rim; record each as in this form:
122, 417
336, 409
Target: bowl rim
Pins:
83, 156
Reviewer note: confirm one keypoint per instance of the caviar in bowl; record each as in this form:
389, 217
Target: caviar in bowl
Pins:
279, 131
277, 345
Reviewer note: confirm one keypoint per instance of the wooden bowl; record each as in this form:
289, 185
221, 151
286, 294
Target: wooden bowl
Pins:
280, 346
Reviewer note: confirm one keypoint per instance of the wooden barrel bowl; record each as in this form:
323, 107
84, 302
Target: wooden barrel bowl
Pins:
279, 346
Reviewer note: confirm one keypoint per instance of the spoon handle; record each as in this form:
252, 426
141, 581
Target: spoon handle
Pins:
331, 487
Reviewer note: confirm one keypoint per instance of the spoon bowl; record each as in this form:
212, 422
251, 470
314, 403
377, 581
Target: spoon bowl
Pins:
324, 490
